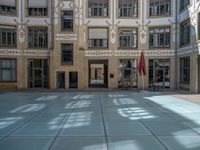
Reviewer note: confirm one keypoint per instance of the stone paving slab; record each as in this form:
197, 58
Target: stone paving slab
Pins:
98, 121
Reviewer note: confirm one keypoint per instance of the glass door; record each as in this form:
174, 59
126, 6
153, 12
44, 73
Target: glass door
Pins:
38, 73
127, 74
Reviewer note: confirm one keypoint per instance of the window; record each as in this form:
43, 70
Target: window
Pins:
7, 37
160, 7
185, 33
98, 38
8, 7
7, 70
128, 38
184, 4
98, 8
67, 21
38, 37
159, 37
37, 8
128, 8
67, 54
185, 70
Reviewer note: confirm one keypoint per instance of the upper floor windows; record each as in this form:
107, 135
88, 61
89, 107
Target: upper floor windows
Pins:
67, 54
128, 8
184, 4
98, 38
127, 38
67, 21
38, 37
159, 37
160, 7
185, 33
98, 8
7, 37
8, 7
37, 7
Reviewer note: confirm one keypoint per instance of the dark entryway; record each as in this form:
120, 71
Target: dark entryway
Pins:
73, 79
38, 73
60, 80
98, 73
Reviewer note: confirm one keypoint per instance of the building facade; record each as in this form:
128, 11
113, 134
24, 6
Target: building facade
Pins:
64, 44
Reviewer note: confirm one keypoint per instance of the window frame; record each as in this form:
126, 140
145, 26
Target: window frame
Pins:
128, 29
181, 35
62, 21
10, 69
160, 14
98, 15
71, 51
10, 14
183, 69
131, 16
160, 27
32, 41
93, 47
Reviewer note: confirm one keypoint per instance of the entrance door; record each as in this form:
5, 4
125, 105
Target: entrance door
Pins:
73, 79
127, 74
159, 73
98, 73
60, 80
38, 73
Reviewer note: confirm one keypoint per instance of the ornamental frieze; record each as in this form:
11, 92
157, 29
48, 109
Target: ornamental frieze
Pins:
70, 37
17, 52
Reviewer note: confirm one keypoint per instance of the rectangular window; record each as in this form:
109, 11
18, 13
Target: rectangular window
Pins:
7, 70
159, 37
67, 21
128, 8
128, 38
7, 37
37, 7
185, 33
38, 37
8, 7
98, 38
67, 54
184, 4
98, 8
160, 7
185, 70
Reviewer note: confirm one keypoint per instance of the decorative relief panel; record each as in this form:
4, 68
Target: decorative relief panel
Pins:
71, 37
128, 53
16, 52
190, 49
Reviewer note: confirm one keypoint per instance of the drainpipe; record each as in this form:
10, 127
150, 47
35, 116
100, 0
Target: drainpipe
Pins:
176, 44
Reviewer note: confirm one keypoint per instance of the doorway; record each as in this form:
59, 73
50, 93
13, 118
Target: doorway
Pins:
38, 73
60, 80
127, 73
98, 73
73, 79
159, 73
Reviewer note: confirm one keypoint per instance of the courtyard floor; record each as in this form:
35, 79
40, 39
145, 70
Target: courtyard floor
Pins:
98, 121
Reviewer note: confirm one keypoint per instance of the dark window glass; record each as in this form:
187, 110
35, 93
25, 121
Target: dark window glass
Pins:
98, 8
7, 37
160, 7
185, 33
184, 4
128, 8
7, 70
159, 37
185, 70
38, 37
67, 21
67, 54
128, 38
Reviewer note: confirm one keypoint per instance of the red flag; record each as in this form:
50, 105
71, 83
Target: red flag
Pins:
142, 66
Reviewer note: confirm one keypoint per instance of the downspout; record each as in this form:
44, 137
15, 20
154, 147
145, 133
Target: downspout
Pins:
176, 45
